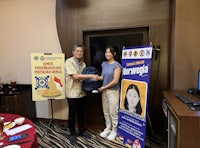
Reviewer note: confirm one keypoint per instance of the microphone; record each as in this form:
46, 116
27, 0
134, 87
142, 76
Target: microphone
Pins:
157, 52
153, 47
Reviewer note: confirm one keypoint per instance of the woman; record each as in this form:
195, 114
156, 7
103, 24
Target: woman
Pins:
132, 99
111, 72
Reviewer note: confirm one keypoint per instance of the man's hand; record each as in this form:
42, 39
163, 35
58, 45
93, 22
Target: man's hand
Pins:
94, 77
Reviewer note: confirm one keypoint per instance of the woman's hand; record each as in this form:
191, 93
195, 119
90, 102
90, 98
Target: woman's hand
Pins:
101, 88
94, 77
100, 78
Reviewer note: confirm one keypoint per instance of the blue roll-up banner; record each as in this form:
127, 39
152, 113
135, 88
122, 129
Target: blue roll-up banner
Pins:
136, 63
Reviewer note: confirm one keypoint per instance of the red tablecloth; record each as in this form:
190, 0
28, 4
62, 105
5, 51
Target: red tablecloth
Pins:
32, 139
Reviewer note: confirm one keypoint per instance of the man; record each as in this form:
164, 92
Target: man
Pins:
74, 93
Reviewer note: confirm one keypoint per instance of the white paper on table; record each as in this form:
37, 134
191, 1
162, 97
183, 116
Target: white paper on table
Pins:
18, 129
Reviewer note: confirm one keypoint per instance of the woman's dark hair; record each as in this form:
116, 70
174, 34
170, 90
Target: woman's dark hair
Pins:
138, 106
115, 52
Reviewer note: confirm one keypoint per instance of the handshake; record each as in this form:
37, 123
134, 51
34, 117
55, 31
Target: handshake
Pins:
96, 77
94, 82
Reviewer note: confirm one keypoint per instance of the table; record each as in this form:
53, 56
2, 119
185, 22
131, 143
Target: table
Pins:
182, 123
31, 139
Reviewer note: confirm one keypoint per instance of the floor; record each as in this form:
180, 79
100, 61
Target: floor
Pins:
151, 141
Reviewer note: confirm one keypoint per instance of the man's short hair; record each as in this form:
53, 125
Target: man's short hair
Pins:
77, 45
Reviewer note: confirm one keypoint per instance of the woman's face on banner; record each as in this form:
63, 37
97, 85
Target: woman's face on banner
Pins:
132, 98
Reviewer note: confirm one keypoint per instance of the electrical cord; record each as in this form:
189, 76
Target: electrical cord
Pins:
157, 57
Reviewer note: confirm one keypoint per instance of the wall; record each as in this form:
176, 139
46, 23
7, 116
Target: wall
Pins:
28, 26
185, 47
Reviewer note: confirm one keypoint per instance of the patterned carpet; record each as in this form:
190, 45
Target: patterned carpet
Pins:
57, 136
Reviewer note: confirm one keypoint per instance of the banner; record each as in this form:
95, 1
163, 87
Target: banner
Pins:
134, 93
48, 76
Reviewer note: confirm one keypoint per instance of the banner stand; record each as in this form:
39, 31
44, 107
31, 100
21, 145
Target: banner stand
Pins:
48, 79
51, 121
52, 118
151, 127
133, 113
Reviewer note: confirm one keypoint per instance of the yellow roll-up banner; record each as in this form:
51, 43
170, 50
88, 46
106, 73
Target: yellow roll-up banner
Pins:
48, 76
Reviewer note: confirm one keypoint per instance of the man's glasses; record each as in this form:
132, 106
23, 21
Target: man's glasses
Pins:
79, 51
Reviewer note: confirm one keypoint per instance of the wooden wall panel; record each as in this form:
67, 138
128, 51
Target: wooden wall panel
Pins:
159, 79
185, 47
76, 16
